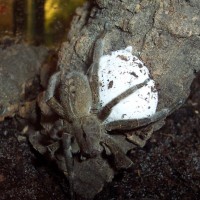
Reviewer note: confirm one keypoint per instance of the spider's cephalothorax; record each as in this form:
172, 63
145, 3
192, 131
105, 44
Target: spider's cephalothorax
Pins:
82, 121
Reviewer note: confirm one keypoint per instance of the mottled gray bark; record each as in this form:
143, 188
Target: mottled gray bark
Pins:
19, 65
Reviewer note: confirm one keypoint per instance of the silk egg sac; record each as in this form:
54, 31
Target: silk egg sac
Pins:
119, 71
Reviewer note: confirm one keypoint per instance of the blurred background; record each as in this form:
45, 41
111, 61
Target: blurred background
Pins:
37, 21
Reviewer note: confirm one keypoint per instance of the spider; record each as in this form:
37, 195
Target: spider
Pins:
83, 120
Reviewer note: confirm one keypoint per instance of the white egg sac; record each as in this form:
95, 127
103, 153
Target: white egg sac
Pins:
118, 72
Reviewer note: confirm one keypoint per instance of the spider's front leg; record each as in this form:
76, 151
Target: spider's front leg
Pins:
50, 92
132, 124
106, 110
58, 108
50, 99
66, 141
93, 70
121, 160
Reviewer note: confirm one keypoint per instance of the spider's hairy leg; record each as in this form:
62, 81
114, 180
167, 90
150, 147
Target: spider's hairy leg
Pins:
66, 141
106, 110
121, 160
130, 124
51, 100
93, 70
136, 139
35, 138
49, 95
52, 148
53, 83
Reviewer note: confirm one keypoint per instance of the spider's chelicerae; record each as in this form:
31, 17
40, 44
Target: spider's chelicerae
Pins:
83, 119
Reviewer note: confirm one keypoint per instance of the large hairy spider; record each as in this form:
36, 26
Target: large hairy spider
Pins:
83, 118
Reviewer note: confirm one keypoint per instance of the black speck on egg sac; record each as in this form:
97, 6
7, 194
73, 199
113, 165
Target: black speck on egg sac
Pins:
122, 57
134, 74
123, 116
110, 84
134, 59
140, 65
153, 89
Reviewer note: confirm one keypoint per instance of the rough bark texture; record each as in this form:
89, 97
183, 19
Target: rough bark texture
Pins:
19, 70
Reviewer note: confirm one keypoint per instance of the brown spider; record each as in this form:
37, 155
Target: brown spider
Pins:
82, 119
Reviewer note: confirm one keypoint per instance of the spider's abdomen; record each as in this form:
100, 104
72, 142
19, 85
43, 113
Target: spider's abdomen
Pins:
76, 94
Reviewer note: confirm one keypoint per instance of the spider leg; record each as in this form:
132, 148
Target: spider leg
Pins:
106, 110
121, 160
51, 100
66, 140
130, 124
136, 139
49, 95
93, 70
35, 138
56, 107
53, 83
52, 148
